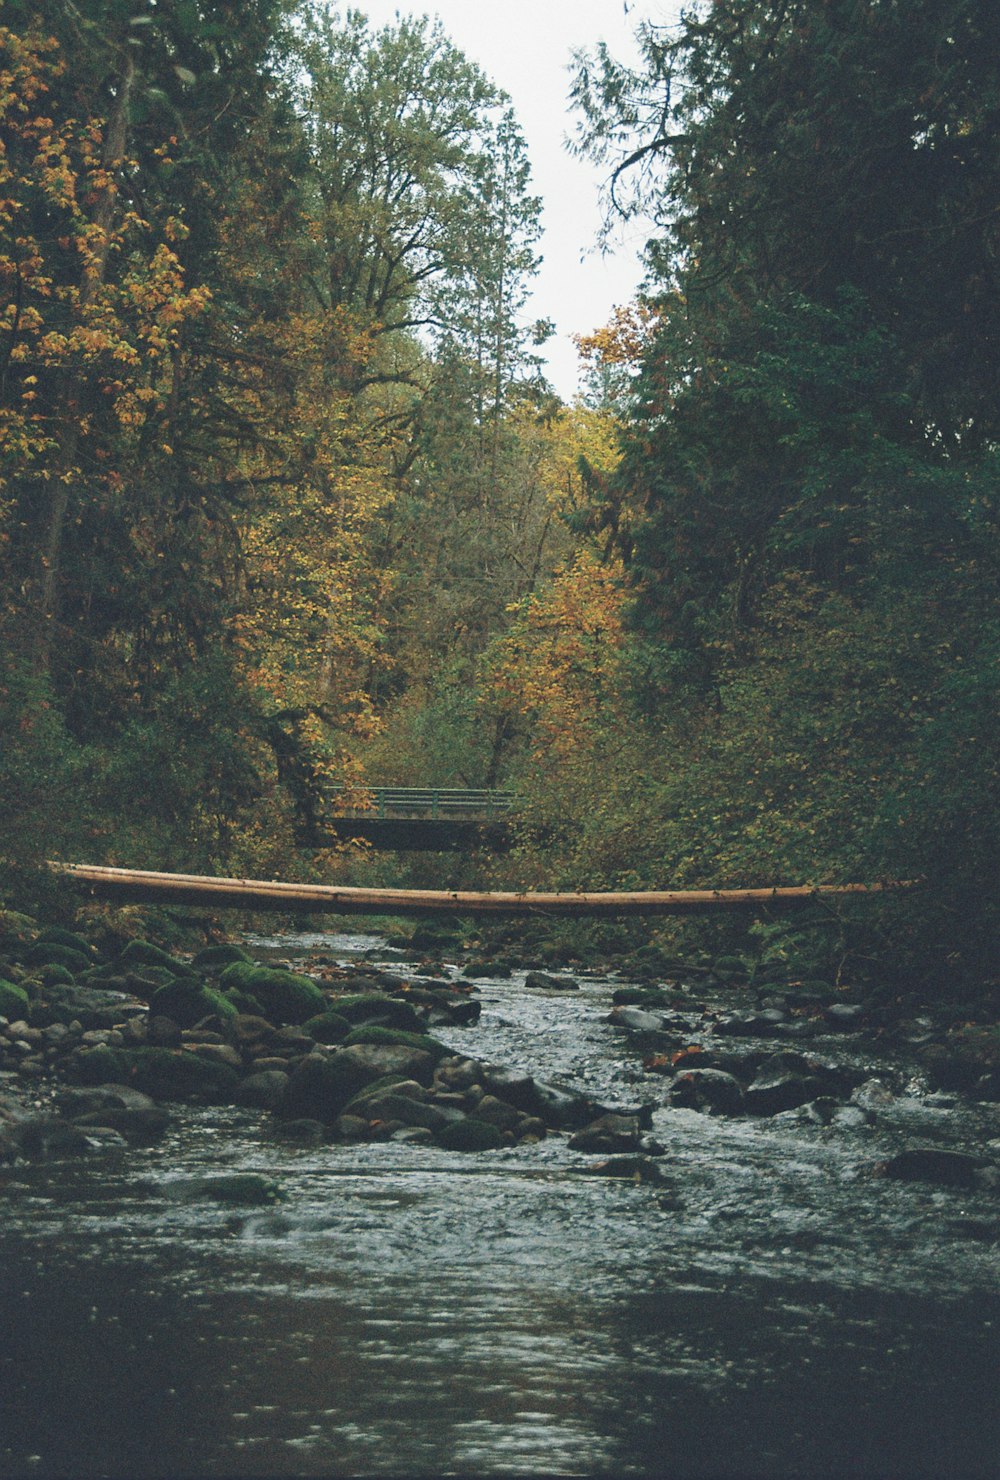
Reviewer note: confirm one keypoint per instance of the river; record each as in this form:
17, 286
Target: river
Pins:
772, 1309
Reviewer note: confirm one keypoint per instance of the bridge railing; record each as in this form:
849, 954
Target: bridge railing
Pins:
436, 803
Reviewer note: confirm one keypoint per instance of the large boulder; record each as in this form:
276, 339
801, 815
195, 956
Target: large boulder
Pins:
263, 1091
607, 1133
14, 1002
323, 1085
381, 1059
513, 1086
932, 1164
636, 1019
391, 1105
54, 953
93, 1007
327, 1027
217, 958
188, 1002
166, 1074
283, 996
139, 955
707, 1089
784, 1082
373, 1007
43, 1138
117, 1107
544, 981
375, 1034
469, 1134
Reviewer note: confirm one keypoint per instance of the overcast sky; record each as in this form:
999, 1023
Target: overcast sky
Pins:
525, 46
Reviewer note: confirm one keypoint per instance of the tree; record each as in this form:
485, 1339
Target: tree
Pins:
810, 458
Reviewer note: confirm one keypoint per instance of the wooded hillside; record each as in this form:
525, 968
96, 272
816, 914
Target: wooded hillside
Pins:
285, 499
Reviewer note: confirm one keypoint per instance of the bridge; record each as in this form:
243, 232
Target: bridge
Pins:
437, 819
144, 885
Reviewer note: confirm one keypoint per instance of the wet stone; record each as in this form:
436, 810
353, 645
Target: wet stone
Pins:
263, 1090
638, 1169
636, 1019
846, 1015
498, 1112
544, 981
458, 1074
607, 1133
931, 1164
707, 1089
43, 1138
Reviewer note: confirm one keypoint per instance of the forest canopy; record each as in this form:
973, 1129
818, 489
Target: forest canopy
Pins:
285, 500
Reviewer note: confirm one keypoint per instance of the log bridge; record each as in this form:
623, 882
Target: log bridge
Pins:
142, 885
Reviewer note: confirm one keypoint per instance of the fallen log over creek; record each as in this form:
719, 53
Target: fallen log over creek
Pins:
145, 886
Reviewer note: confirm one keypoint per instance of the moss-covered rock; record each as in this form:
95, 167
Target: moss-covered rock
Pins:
14, 1001
244, 1002
235, 976
138, 955
16, 929
216, 958
373, 1033
319, 1088
52, 953
469, 1135
282, 996
54, 976
99, 1065
188, 1002
168, 1074
56, 935
366, 1007
327, 1027
729, 967
378, 1087
163, 1073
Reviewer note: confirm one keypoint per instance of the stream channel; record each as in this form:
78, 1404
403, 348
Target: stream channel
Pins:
773, 1309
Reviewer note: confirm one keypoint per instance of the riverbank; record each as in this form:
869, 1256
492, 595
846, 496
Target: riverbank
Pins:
97, 1039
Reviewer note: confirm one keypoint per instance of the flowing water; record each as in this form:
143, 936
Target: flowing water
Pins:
775, 1310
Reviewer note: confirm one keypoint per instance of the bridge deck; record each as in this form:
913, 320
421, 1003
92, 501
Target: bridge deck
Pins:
420, 802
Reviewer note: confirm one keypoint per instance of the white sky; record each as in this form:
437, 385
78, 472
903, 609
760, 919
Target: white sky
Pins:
525, 46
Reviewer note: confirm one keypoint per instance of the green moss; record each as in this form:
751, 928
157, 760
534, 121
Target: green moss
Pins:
169, 1075
236, 975
51, 953
55, 976
210, 958
187, 1002
373, 1033
14, 1001
283, 996
392, 1011
223, 1006
16, 929
372, 1091
327, 1027
140, 954
55, 935
243, 1002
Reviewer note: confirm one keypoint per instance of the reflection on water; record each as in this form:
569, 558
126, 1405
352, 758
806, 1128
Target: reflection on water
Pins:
405, 1310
